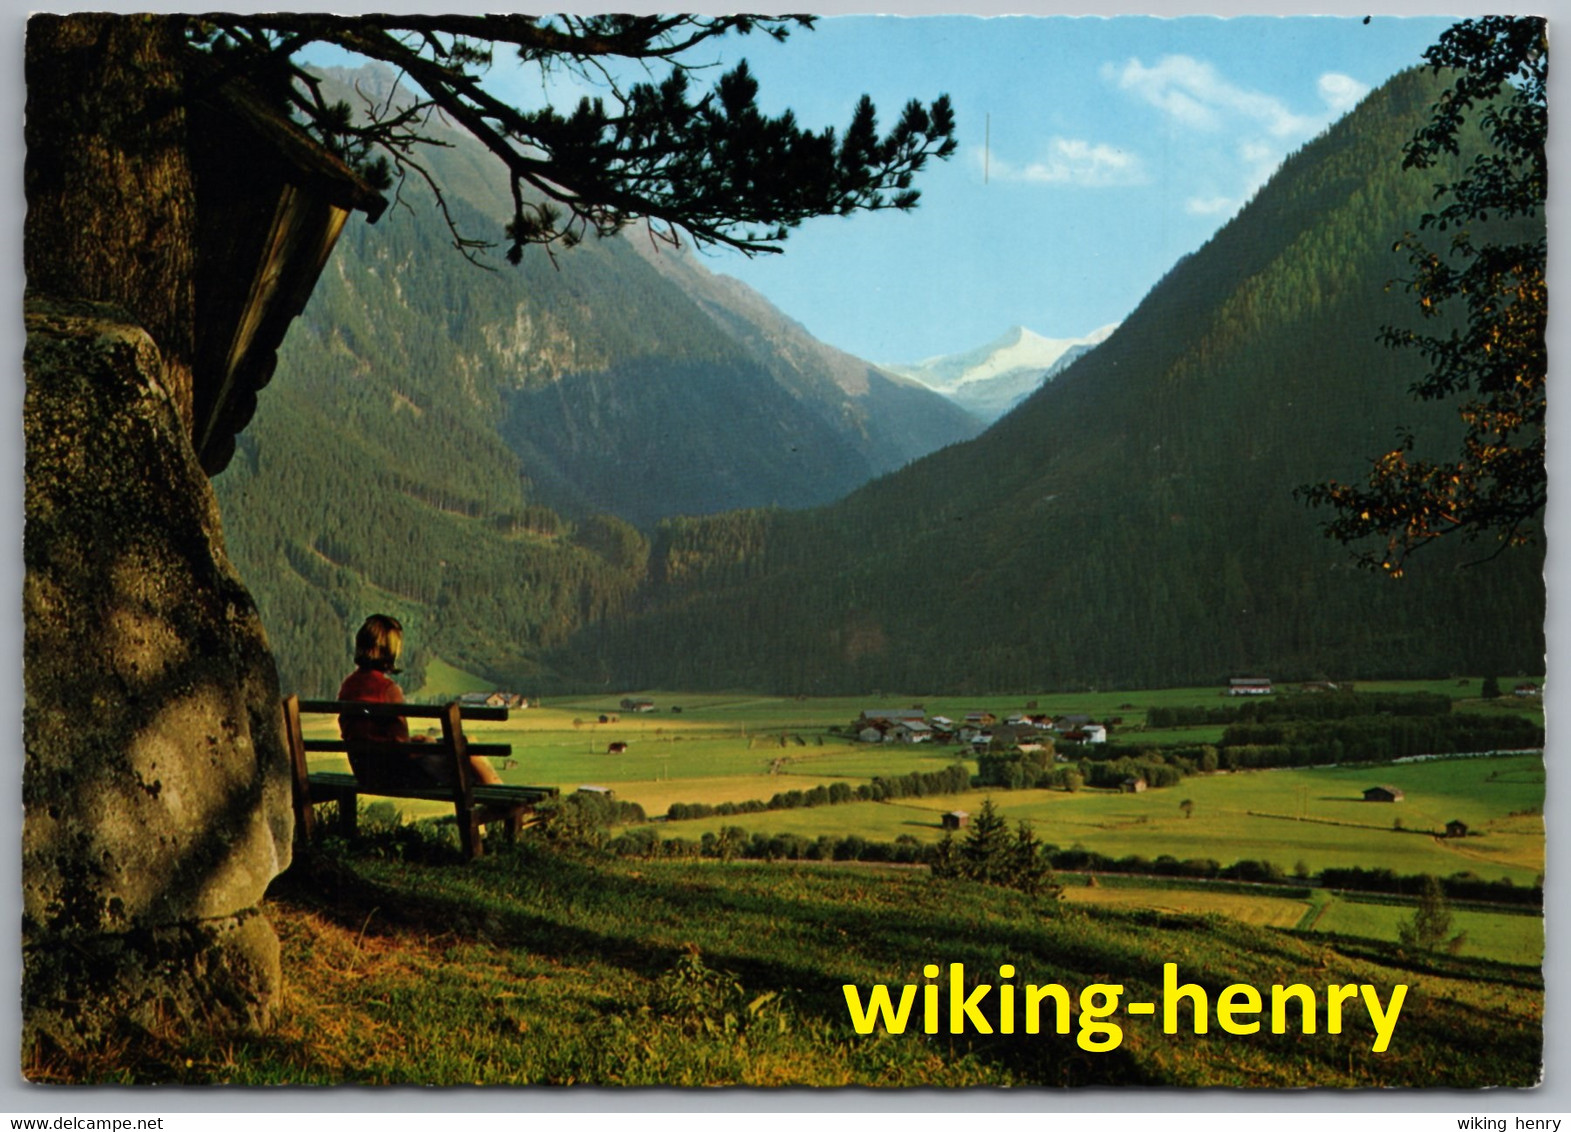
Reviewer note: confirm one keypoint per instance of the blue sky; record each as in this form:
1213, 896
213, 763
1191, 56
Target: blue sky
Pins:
1114, 146
1094, 153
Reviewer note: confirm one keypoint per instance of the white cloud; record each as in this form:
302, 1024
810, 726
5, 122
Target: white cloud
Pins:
1071, 161
1340, 93
1195, 94
1210, 206
1258, 127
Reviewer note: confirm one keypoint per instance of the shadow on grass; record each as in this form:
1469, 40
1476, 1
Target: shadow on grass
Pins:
808, 932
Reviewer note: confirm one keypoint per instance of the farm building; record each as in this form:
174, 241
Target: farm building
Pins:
616, 749
955, 819
981, 718
1087, 733
1008, 737
598, 791
1249, 686
870, 735
1133, 786
494, 699
1456, 828
1527, 691
640, 704
890, 715
910, 731
1383, 794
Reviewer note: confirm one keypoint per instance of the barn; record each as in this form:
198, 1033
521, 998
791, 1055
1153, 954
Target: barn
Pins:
1383, 794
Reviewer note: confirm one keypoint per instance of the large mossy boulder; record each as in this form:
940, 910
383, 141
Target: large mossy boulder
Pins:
156, 784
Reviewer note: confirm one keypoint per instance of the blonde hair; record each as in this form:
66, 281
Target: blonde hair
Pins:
379, 643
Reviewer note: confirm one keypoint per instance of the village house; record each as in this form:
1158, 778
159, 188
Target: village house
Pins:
493, 699
1079, 729
879, 725
1527, 691
1249, 686
1006, 737
884, 717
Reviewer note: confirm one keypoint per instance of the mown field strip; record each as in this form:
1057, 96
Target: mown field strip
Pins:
1266, 911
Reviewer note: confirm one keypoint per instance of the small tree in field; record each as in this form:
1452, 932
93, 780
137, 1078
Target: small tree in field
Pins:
1030, 869
1431, 920
989, 855
945, 857
985, 854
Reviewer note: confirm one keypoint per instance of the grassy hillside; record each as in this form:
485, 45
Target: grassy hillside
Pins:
546, 969
443, 442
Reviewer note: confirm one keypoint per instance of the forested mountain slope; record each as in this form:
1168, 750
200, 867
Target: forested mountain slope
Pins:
1132, 523
439, 437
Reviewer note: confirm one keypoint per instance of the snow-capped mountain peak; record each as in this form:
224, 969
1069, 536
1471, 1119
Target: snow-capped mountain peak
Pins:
992, 379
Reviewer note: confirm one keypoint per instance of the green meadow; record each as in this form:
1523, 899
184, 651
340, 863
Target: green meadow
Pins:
555, 961
532, 966
736, 748
1249, 815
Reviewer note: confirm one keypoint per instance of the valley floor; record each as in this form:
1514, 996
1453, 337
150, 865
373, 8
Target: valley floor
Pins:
735, 748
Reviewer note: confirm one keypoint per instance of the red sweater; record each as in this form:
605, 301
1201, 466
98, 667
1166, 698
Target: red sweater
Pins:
368, 685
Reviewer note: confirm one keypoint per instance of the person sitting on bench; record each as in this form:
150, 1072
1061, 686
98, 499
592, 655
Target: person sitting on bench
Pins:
378, 645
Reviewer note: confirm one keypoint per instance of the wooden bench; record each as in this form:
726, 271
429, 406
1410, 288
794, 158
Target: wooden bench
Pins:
473, 803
